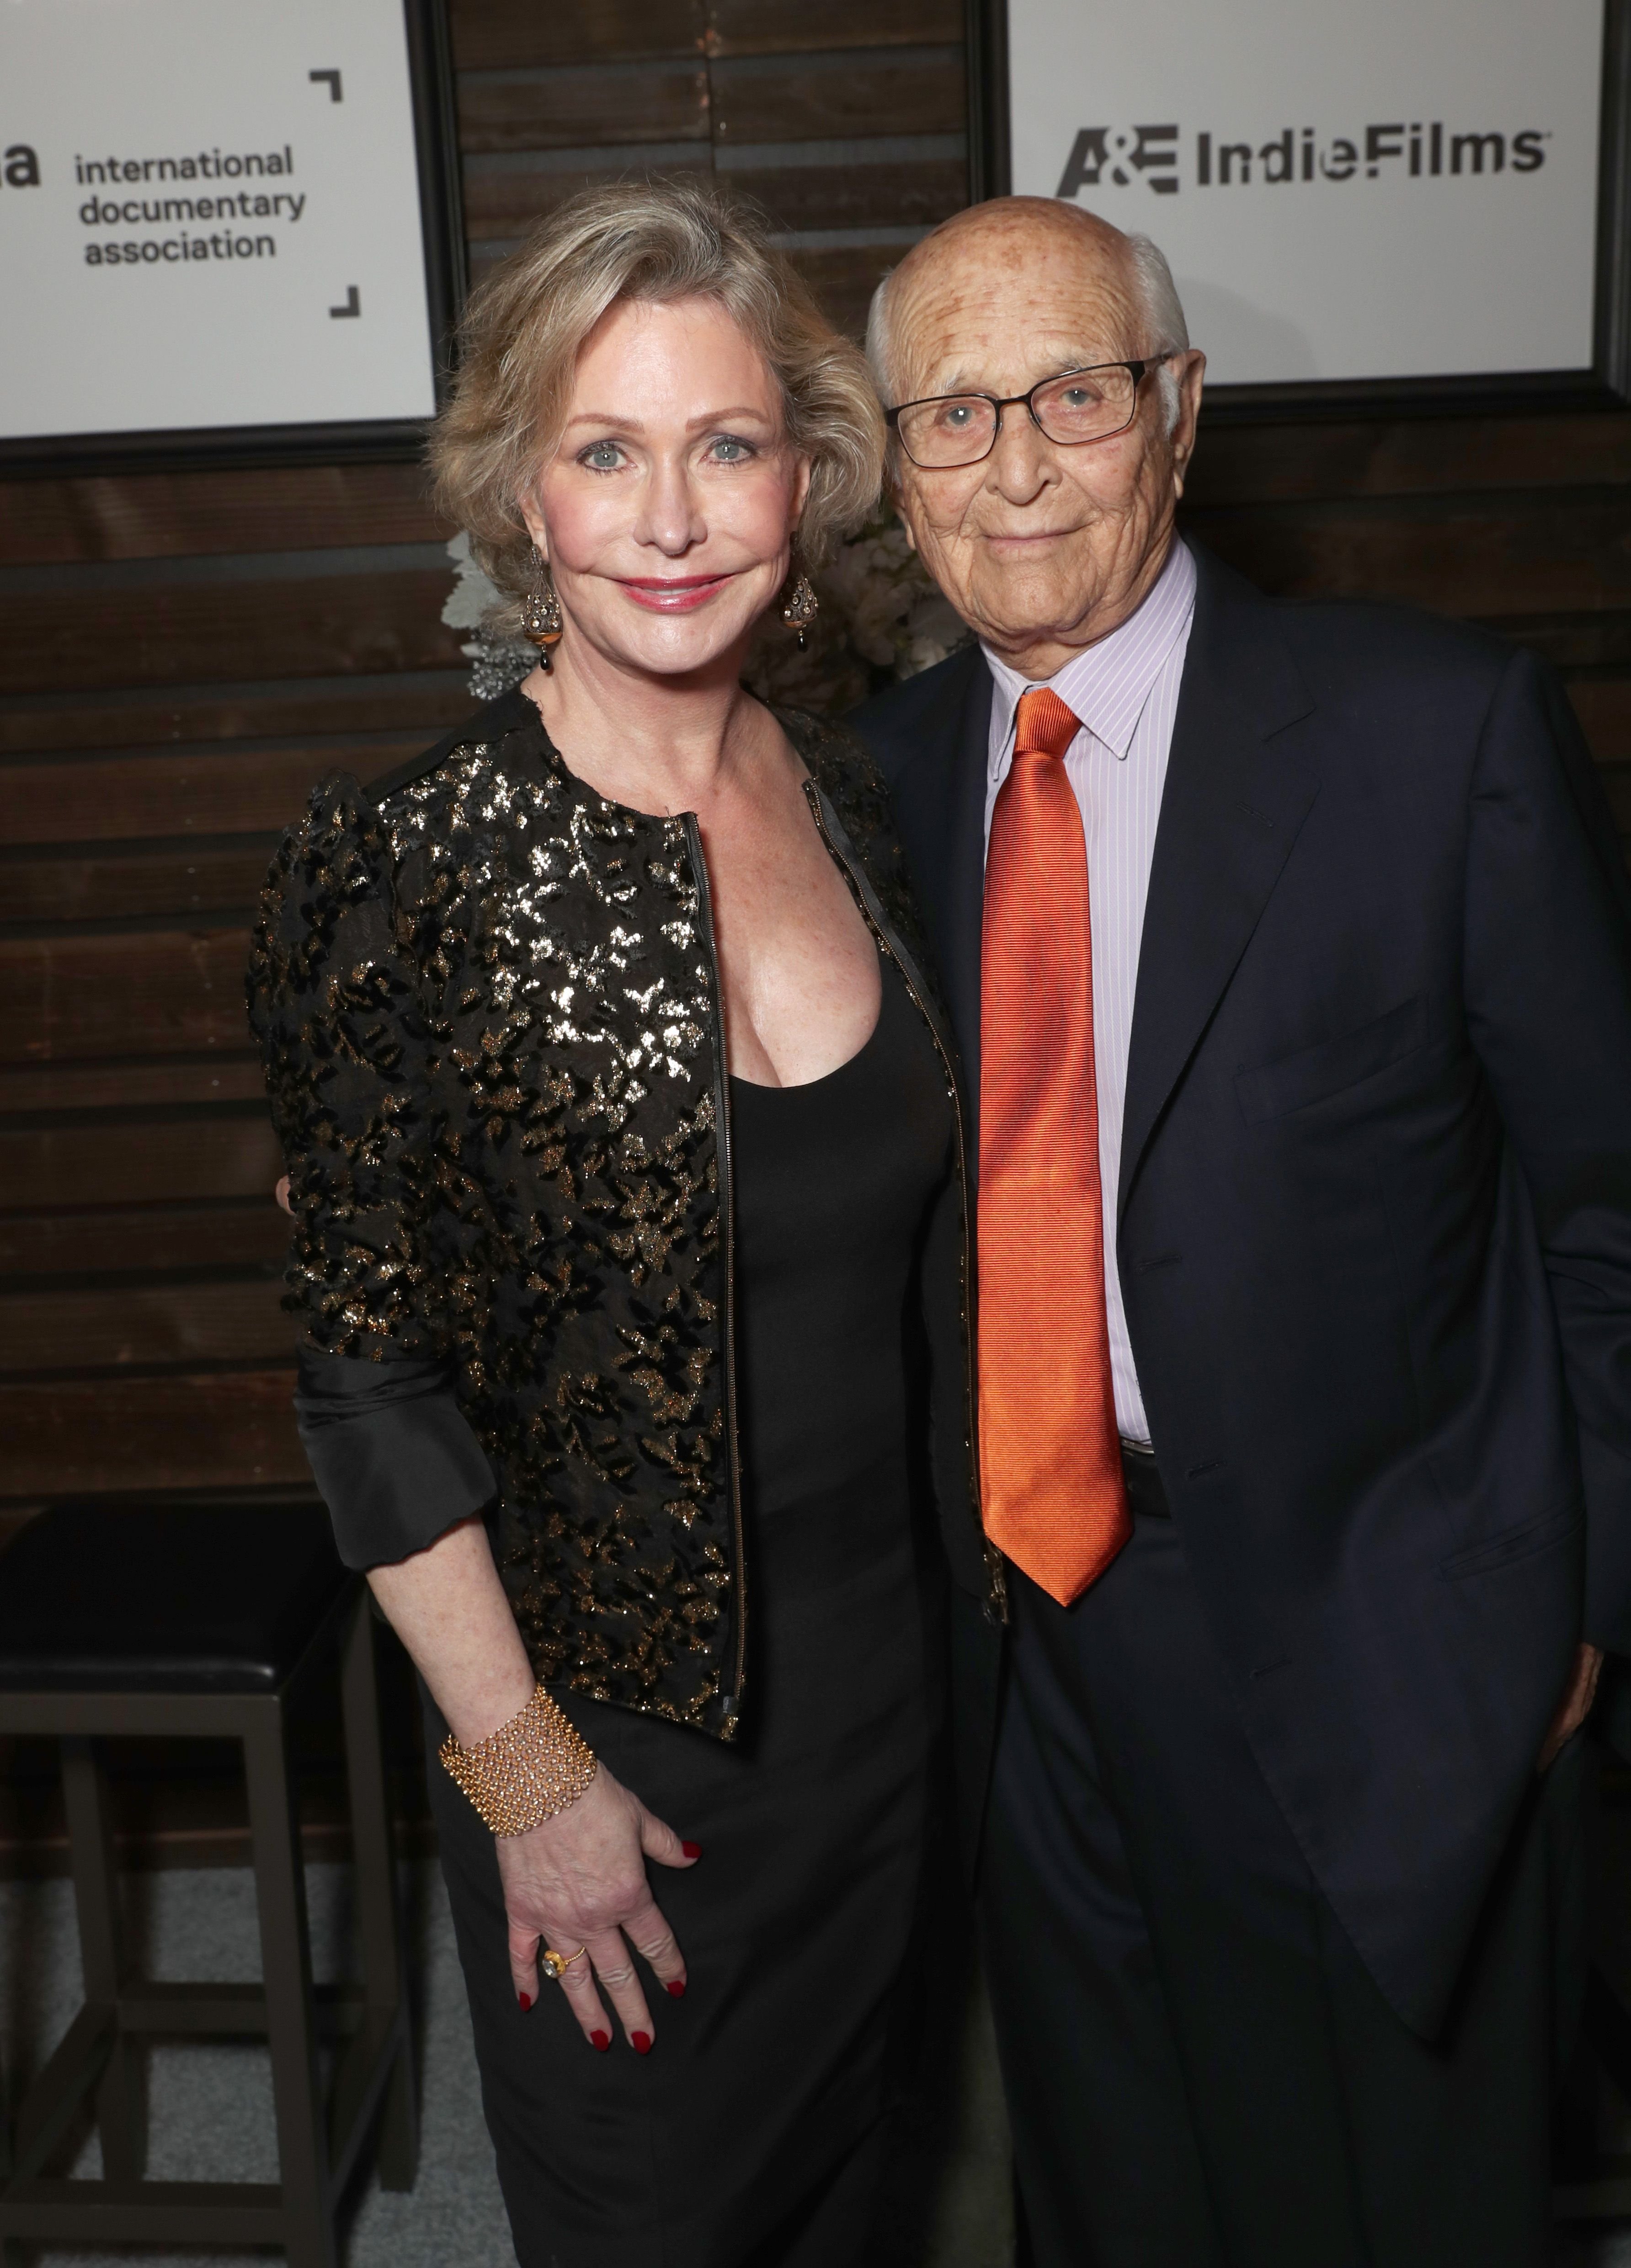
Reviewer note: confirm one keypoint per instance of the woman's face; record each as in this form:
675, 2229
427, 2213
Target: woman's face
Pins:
667, 511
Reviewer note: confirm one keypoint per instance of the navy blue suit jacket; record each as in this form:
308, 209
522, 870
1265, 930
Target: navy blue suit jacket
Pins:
1374, 1223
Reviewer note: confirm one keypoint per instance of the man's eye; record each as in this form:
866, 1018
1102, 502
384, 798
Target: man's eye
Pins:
1079, 397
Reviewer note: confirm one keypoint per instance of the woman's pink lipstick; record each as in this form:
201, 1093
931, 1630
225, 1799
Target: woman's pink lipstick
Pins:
679, 596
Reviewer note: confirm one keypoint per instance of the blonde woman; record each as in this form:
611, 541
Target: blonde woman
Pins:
627, 1173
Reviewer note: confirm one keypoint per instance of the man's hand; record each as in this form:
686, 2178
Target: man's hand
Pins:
1575, 1705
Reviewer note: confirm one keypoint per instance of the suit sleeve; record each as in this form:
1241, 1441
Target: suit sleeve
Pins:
1549, 998
335, 1003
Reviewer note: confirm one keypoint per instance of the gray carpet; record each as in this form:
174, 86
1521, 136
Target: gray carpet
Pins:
211, 2105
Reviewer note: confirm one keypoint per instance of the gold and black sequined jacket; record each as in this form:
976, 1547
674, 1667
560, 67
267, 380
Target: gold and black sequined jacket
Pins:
489, 1005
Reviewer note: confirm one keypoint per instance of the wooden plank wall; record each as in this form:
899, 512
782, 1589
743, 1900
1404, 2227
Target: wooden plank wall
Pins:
182, 655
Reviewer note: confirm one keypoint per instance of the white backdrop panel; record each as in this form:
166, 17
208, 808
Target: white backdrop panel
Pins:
1318, 226
213, 307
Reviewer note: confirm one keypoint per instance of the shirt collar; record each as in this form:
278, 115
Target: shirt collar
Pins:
1109, 684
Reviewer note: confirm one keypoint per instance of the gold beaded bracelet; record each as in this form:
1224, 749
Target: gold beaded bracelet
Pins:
527, 1771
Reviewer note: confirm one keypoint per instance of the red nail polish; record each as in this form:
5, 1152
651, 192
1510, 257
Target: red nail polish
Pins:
526, 2002
601, 2040
692, 1850
676, 1988
641, 2042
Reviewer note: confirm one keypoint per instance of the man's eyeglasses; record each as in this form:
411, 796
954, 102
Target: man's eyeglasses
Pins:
1082, 405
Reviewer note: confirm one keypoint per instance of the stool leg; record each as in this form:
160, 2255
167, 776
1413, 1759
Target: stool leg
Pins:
286, 1966
120, 2095
378, 1916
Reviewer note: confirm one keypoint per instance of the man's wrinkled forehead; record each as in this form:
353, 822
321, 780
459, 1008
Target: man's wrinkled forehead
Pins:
997, 307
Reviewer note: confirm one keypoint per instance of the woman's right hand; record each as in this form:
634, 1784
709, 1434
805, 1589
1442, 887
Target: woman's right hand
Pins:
580, 1879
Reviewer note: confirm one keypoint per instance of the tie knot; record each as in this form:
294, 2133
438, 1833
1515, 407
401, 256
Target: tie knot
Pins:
1043, 726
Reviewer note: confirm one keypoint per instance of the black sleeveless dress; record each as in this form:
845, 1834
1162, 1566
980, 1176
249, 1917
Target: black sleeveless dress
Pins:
750, 2137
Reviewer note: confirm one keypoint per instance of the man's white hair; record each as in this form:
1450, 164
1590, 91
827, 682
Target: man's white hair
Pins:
1165, 331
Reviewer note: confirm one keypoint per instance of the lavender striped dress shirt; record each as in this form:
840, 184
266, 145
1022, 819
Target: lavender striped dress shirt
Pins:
1125, 691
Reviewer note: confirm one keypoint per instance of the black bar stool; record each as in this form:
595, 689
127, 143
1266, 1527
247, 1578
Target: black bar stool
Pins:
206, 1620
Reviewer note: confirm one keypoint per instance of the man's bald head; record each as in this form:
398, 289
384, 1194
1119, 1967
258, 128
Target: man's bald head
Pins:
1043, 542
1128, 270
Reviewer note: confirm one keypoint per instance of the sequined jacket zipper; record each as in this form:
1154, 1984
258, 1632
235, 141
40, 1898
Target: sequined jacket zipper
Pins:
727, 1242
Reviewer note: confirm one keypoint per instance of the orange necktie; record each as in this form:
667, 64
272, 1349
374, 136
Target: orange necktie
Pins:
1050, 1456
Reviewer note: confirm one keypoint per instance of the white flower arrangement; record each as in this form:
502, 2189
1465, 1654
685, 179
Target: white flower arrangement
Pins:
881, 620
496, 664
896, 618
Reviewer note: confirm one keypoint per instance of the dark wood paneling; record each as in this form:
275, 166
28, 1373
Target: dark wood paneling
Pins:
1275, 463
844, 277
122, 799
837, 96
173, 1084
1536, 551
1572, 641
148, 1241
1617, 785
905, 196
428, 705
330, 626
505, 204
791, 27
1603, 708
164, 515
183, 1432
161, 1819
160, 992
132, 1162
857, 195
144, 1324
507, 34
567, 108
215, 881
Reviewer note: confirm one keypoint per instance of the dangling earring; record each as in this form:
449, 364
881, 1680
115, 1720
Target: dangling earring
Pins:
540, 611
801, 606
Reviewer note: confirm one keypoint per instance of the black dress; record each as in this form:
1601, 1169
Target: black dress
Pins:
750, 2134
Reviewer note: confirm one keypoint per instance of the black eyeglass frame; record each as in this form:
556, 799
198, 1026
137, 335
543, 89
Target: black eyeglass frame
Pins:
1137, 370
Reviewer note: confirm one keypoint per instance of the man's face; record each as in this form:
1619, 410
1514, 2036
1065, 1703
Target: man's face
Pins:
1042, 548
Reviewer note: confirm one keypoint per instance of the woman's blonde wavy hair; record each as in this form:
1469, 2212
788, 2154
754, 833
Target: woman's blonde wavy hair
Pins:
526, 323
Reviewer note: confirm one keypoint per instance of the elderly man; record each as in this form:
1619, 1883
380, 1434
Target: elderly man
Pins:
1287, 953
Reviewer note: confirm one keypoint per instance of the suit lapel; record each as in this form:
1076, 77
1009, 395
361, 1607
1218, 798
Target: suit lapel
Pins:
940, 803
967, 869
1233, 803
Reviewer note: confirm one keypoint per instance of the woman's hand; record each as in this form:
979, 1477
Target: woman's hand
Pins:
580, 1879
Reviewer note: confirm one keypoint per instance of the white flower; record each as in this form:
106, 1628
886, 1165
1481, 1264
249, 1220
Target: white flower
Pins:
473, 598
895, 615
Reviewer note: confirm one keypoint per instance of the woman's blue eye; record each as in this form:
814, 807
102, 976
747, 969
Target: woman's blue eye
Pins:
601, 457
730, 451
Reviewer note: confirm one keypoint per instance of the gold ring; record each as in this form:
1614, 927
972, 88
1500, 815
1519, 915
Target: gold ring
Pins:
555, 1965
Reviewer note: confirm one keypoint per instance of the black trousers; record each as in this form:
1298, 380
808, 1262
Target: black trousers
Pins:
1200, 2071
